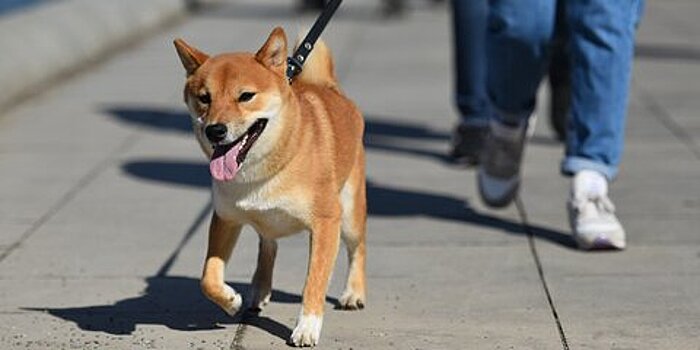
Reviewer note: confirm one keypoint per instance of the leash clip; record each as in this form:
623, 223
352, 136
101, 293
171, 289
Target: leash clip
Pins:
296, 62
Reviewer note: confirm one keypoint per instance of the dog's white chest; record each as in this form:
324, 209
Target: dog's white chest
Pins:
271, 215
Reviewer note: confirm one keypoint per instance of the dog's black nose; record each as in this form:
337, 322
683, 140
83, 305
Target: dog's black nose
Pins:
216, 132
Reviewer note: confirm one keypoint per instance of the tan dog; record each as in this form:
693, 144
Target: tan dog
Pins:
284, 158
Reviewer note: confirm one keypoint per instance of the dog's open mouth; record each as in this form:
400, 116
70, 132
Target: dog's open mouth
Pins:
227, 159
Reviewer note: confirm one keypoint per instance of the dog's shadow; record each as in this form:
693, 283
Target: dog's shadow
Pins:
174, 302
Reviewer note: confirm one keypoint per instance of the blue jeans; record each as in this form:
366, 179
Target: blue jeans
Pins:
601, 44
469, 20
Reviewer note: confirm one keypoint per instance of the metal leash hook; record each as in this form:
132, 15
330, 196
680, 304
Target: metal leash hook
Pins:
295, 63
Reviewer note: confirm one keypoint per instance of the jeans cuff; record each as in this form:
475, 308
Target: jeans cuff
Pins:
473, 112
474, 121
572, 165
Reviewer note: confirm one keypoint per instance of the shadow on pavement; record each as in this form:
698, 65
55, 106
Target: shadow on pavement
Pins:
153, 119
381, 134
177, 303
174, 302
382, 200
669, 52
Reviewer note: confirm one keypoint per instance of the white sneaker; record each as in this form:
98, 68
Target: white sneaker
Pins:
592, 214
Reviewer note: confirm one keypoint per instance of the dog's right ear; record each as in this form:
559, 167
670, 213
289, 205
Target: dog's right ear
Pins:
191, 58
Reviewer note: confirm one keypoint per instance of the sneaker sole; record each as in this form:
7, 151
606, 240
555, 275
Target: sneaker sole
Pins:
500, 202
599, 243
612, 240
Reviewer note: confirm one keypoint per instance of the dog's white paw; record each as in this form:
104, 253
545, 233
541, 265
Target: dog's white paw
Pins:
352, 300
307, 331
233, 301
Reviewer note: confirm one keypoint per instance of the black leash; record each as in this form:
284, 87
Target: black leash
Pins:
295, 63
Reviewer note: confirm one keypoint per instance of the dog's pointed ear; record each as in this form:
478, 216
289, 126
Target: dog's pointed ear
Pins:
191, 58
273, 54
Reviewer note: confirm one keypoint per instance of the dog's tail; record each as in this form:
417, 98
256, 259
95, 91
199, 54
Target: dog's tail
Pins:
318, 68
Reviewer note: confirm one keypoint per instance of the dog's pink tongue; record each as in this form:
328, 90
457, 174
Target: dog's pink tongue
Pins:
225, 167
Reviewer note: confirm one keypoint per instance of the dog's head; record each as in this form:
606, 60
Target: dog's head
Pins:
235, 101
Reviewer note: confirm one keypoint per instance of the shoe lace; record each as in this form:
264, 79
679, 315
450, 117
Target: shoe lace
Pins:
601, 203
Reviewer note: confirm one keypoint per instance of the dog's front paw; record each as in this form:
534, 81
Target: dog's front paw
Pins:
307, 331
352, 300
233, 301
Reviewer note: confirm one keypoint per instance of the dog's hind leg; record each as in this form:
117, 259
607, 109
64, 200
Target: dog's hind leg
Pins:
262, 279
354, 203
222, 238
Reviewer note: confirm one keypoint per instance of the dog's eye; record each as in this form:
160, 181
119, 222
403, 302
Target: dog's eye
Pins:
204, 98
246, 96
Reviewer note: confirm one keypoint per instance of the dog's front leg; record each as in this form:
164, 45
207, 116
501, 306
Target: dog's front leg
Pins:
262, 279
222, 237
325, 236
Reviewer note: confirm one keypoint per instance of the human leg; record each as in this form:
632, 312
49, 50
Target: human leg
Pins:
602, 44
559, 76
469, 22
519, 33
469, 35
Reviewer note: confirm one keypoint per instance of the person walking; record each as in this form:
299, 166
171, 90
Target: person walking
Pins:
469, 19
469, 37
600, 36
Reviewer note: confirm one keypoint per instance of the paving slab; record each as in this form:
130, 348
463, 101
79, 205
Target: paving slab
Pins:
408, 311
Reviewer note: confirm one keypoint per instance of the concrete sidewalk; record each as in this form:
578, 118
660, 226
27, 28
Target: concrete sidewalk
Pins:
104, 206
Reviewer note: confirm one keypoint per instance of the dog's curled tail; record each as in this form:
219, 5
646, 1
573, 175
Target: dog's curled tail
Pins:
318, 69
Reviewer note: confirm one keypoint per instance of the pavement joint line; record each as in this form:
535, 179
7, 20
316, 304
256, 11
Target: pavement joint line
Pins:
237, 343
540, 271
663, 116
196, 224
81, 184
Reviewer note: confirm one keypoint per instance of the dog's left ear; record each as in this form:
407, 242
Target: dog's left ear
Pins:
273, 54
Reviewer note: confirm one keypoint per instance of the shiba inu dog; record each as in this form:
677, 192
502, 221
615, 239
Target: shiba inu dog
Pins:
284, 158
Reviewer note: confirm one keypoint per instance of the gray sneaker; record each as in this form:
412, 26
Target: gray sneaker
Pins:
467, 144
499, 173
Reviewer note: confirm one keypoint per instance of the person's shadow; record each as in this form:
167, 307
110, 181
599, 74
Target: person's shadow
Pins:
382, 200
381, 134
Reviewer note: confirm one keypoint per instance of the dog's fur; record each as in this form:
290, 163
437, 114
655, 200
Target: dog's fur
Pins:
306, 171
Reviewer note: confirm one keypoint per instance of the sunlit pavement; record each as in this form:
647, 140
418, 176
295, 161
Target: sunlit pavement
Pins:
104, 206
